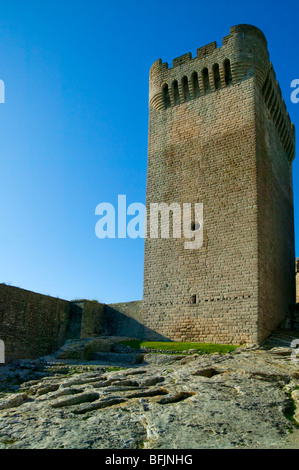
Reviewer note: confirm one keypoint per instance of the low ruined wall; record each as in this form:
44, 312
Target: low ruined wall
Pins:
126, 319
33, 325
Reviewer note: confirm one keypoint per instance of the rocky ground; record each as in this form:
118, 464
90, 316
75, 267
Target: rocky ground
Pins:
245, 399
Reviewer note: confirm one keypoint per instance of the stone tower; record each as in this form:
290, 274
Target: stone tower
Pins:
220, 135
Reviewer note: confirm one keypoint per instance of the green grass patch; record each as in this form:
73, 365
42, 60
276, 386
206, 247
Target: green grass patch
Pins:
179, 347
113, 368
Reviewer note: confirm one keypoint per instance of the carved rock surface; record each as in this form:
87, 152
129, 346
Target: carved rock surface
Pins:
236, 400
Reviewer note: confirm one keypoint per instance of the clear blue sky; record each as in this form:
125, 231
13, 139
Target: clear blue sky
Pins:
74, 126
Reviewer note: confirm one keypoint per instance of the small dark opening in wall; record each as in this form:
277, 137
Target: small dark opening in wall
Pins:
227, 72
206, 81
186, 89
195, 84
195, 226
193, 299
166, 97
265, 85
217, 81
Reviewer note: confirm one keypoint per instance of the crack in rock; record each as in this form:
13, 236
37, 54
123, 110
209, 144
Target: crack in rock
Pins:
99, 405
175, 398
81, 398
148, 393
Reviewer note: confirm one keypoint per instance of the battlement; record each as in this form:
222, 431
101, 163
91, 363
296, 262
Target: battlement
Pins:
243, 55
242, 30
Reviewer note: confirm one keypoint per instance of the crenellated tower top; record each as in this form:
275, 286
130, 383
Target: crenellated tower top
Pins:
243, 54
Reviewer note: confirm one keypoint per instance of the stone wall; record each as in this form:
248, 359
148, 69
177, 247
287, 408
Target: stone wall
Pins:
33, 325
124, 319
92, 314
127, 319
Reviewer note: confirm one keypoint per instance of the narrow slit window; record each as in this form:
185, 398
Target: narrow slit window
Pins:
166, 97
273, 107
176, 94
279, 123
186, 92
276, 112
265, 85
193, 299
206, 80
269, 91
270, 102
195, 84
227, 72
216, 73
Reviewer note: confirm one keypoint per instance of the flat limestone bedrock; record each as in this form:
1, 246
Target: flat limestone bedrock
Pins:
213, 401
